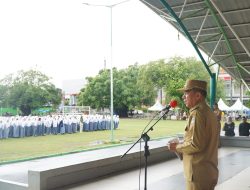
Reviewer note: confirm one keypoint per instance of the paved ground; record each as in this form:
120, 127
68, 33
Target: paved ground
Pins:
233, 165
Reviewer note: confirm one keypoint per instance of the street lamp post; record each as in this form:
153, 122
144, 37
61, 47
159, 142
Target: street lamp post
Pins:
111, 61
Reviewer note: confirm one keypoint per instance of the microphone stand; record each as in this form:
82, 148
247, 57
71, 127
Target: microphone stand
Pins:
146, 138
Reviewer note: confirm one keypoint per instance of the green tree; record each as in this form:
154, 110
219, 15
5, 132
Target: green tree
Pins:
137, 86
126, 90
97, 92
179, 70
154, 73
129, 94
152, 78
28, 90
172, 75
220, 90
248, 102
3, 94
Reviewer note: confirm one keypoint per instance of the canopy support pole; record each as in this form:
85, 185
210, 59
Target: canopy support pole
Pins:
212, 89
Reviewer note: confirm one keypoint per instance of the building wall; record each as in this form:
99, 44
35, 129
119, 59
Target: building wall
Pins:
71, 89
233, 89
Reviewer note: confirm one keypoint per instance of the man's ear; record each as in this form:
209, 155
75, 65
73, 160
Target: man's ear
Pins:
198, 95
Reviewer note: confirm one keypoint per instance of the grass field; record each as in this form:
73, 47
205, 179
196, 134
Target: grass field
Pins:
129, 131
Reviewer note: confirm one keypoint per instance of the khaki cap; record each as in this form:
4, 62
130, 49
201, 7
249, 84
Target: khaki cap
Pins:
191, 84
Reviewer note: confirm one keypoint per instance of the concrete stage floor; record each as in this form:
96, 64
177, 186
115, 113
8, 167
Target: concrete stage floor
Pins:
233, 166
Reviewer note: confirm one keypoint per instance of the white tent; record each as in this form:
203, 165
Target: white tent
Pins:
222, 106
156, 107
238, 106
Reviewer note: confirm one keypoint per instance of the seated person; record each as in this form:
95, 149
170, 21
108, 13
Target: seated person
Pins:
229, 127
244, 127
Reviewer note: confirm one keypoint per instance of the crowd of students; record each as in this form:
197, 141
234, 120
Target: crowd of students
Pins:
99, 122
26, 126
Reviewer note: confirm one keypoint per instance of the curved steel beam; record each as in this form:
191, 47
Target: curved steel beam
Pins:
187, 34
224, 35
230, 27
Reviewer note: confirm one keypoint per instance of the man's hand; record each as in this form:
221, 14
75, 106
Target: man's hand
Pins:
172, 146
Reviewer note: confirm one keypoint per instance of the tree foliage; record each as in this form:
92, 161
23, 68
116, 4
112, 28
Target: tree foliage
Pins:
137, 86
28, 90
178, 71
97, 92
248, 102
127, 93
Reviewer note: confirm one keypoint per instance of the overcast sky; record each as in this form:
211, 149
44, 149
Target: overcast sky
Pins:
66, 39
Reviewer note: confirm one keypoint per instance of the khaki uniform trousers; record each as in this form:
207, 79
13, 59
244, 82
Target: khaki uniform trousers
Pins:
198, 186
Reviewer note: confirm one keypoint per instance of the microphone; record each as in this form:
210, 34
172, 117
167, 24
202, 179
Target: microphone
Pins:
172, 104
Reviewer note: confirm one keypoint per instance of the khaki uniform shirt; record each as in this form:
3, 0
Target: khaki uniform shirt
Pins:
200, 152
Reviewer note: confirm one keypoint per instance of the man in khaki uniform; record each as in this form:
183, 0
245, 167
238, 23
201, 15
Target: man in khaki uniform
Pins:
200, 145
218, 115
